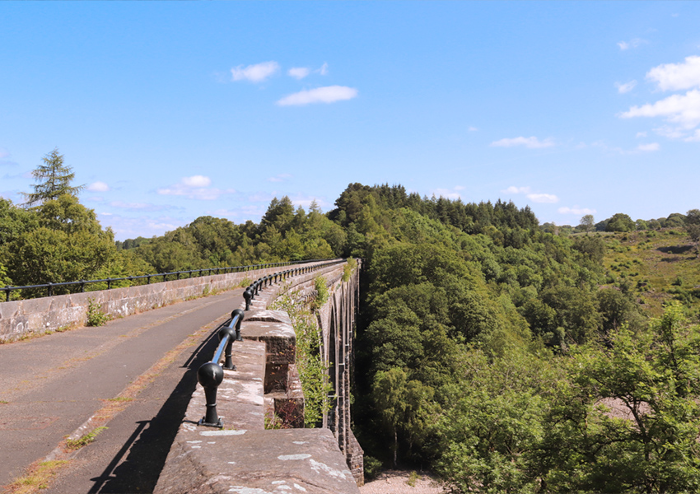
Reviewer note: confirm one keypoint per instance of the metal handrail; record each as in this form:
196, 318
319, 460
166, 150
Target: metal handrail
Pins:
254, 288
211, 374
229, 269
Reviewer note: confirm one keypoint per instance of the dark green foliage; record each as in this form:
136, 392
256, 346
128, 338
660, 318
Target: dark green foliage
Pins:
53, 180
620, 223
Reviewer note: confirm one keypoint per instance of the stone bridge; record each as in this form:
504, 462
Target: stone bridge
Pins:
244, 456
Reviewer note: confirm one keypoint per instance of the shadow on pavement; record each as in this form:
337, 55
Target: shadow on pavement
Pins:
149, 444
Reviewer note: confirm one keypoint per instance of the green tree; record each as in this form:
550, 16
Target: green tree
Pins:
629, 419
620, 222
587, 222
53, 180
692, 226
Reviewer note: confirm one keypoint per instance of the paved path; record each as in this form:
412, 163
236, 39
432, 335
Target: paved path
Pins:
51, 385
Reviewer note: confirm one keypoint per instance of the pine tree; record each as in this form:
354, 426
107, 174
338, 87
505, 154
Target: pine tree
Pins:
53, 180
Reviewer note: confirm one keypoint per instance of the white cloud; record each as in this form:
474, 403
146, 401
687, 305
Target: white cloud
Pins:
680, 109
676, 76
576, 210
529, 142
640, 134
195, 187
447, 194
516, 190
255, 73
634, 43
197, 181
298, 72
544, 198
98, 187
282, 177
654, 146
139, 206
459, 187
125, 227
695, 137
327, 94
670, 132
626, 87
305, 202
472, 129
534, 197
323, 70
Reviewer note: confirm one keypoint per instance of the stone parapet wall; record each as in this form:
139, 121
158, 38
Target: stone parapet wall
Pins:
245, 458
20, 318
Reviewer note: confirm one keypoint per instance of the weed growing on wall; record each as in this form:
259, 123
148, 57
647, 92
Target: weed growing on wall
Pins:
321, 286
95, 314
313, 371
348, 268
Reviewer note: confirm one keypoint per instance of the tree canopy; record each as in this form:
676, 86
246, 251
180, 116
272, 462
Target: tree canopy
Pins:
53, 179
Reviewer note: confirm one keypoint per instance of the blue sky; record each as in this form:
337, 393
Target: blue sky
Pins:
172, 110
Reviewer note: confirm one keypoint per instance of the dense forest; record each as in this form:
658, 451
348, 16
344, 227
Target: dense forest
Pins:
505, 355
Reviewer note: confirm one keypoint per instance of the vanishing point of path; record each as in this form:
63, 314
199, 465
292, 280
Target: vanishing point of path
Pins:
139, 372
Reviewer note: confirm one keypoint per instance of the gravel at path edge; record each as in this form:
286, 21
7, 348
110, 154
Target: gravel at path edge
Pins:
396, 482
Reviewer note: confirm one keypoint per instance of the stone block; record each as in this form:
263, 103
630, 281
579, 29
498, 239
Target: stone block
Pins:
230, 461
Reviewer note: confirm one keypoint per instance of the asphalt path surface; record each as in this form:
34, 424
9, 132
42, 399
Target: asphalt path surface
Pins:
52, 384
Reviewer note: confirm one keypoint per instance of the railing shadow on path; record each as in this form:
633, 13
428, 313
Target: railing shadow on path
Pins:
149, 444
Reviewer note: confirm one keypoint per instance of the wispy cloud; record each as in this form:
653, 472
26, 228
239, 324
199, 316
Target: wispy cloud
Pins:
626, 87
255, 73
516, 190
125, 227
533, 196
323, 70
576, 210
677, 76
654, 146
452, 194
640, 134
298, 72
472, 129
195, 187
140, 206
98, 187
4, 155
282, 177
529, 142
306, 201
544, 198
197, 181
695, 137
633, 43
327, 94
682, 109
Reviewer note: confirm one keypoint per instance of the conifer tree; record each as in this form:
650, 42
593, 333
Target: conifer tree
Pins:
53, 180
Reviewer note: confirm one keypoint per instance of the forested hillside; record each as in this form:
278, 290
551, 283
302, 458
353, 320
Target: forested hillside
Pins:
506, 355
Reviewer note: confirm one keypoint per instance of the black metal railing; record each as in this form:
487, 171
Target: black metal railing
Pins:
175, 275
254, 288
211, 373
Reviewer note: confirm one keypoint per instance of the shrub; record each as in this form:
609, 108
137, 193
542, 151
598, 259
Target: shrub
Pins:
321, 291
95, 314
